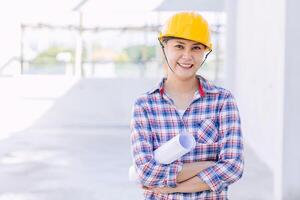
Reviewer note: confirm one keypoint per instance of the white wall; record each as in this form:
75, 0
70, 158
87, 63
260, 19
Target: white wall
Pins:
259, 65
291, 158
264, 36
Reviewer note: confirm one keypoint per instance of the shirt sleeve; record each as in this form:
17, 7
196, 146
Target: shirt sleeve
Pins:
230, 165
150, 172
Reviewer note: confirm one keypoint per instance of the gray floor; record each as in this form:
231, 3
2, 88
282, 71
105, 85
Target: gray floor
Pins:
66, 164
89, 164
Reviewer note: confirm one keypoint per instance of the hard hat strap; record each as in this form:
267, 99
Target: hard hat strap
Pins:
163, 49
205, 57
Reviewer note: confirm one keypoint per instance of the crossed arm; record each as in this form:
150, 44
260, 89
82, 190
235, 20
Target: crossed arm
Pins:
187, 180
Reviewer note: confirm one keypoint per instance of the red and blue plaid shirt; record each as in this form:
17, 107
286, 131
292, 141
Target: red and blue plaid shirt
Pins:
214, 121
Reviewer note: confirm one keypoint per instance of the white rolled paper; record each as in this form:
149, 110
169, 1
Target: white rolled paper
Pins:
174, 148
133, 177
170, 151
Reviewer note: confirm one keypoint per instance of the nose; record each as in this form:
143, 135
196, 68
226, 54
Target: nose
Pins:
187, 54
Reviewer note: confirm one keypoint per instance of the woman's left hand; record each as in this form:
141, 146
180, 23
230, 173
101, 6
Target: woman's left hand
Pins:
162, 190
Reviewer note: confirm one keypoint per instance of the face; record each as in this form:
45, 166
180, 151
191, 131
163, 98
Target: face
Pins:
184, 57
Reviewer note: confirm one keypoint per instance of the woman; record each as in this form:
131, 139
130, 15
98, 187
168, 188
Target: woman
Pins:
187, 103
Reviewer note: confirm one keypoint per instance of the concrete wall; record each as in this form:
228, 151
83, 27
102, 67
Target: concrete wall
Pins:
264, 36
291, 157
73, 102
259, 68
96, 103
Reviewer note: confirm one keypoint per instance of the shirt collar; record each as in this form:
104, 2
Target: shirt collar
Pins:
207, 86
204, 87
159, 87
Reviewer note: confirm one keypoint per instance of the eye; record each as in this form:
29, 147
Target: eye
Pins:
197, 48
179, 46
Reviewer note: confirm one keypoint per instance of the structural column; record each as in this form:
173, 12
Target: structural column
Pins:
263, 71
291, 133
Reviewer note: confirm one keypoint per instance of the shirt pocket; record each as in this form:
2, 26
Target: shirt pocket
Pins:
206, 132
207, 146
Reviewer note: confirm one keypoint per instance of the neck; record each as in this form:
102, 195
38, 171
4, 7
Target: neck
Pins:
175, 85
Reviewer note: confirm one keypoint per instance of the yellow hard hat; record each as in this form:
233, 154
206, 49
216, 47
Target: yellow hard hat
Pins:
187, 25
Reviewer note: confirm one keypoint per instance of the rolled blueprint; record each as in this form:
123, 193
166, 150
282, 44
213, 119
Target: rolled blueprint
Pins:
174, 148
133, 176
170, 151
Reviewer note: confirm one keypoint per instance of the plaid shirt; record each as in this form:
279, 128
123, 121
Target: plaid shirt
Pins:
214, 121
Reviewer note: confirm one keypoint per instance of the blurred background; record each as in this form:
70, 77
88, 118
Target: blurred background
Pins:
70, 71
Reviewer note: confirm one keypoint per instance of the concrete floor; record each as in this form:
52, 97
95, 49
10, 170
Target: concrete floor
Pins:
66, 164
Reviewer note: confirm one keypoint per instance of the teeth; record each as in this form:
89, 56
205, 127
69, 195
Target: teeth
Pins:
185, 65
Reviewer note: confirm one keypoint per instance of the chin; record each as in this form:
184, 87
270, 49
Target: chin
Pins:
186, 77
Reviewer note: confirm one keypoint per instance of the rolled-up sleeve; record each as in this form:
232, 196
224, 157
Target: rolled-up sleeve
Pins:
150, 172
230, 164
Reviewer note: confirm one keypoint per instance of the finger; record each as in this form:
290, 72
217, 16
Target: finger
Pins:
147, 188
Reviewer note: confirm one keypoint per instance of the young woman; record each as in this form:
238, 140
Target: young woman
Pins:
184, 102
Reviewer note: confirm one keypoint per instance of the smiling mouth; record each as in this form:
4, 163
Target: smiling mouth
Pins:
185, 66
